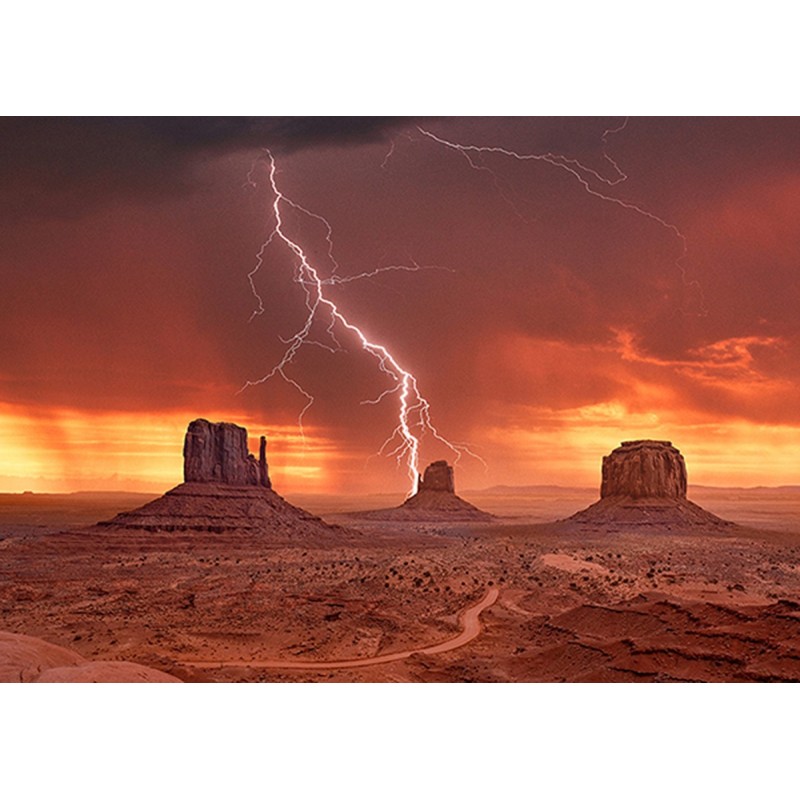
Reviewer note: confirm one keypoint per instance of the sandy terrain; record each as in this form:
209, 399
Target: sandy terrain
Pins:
588, 605
471, 627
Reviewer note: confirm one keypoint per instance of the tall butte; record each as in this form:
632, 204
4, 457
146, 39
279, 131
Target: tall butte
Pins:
435, 500
216, 452
225, 488
644, 484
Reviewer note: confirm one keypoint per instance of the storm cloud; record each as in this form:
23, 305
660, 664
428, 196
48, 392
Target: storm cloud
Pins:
545, 316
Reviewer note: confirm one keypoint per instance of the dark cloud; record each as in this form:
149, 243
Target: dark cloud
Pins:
63, 166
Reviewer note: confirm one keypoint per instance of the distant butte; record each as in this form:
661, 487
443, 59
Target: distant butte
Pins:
644, 484
225, 488
435, 500
439, 477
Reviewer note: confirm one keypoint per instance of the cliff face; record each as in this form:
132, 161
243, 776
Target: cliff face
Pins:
644, 468
438, 477
216, 452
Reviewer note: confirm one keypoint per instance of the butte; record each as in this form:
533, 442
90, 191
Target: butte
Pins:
434, 501
224, 488
644, 485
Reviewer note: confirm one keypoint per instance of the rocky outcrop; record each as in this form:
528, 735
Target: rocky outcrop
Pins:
225, 489
216, 452
644, 468
438, 477
25, 659
435, 501
644, 484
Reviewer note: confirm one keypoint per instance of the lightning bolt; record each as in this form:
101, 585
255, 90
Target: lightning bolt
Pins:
584, 176
414, 415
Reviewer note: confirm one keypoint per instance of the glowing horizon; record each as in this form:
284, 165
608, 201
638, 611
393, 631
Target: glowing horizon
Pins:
73, 451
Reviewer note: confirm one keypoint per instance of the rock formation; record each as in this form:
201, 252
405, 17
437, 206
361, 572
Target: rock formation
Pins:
25, 659
438, 478
644, 484
225, 489
644, 468
216, 452
435, 501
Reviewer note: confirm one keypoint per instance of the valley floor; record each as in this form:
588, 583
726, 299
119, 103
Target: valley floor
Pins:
568, 605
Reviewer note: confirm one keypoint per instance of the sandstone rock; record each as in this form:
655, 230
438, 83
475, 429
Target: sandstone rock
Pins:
263, 471
23, 658
644, 468
217, 508
216, 452
644, 486
438, 478
225, 489
106, 672
435, 501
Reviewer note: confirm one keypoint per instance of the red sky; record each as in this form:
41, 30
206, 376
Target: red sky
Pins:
559, 324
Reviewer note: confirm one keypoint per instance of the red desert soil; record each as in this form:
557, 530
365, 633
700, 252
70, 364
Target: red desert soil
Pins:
470, 620
575, 602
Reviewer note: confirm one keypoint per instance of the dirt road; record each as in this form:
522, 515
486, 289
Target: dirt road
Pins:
469, 618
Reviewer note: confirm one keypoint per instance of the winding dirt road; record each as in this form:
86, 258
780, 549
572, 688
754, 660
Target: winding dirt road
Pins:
469, 619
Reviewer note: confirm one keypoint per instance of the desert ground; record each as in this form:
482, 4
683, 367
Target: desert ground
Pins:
521, 598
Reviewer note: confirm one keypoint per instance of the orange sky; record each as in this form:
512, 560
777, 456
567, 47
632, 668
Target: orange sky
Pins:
555, 326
